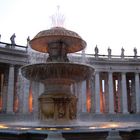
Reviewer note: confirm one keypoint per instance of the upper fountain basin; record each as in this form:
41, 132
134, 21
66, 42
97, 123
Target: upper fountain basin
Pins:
51, 71
72, 40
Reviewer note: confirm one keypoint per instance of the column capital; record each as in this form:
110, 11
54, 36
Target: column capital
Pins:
97, 72
11, 65
123, 73
110, 72
137, 73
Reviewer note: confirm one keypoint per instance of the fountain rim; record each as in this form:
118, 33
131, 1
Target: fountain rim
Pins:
74, 34
67, 63
44, 49
43, 38
70, 64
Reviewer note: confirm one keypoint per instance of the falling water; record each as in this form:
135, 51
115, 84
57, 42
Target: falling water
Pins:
36, 57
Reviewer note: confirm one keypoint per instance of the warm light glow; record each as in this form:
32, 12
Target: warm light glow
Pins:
92, 127
101, 102
3, 126
24, 128
52, 128
30, 98
112, 125
16, 104
88, 94
67, 128
88, 104
38, 128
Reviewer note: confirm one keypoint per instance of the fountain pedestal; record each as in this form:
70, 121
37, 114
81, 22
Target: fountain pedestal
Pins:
57, 107
54, 136
57, 102
114, 135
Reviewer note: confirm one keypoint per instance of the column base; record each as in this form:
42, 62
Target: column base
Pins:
137, 112
125, 113
10, 113
111, 112
98, 112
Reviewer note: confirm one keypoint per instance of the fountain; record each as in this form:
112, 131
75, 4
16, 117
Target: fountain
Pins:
57, 104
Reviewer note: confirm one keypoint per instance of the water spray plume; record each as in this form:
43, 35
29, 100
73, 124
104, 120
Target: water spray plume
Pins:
58, 18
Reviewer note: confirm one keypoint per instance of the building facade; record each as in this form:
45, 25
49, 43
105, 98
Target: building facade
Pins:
114, 87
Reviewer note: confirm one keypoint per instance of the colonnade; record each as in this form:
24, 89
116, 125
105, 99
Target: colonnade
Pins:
9, 90
15, 91
112, 92
106, 92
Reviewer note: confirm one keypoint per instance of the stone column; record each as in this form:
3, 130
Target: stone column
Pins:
25, 96
92, 94
124, 94
84, 98
110, 93
119, 104
137, 91
133, 96
35, 90
78, 93
106, 94
97, 93
10, 92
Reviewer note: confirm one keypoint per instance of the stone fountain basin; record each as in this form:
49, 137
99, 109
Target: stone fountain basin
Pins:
57, 70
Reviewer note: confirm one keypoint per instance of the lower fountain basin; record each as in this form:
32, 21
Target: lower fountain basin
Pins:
57, 70
57, 102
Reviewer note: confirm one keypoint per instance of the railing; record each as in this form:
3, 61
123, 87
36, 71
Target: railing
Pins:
13, 46
96, 56
83, 55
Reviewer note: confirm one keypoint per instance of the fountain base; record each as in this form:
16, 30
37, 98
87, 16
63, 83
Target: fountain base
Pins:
57, 106
55, 136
